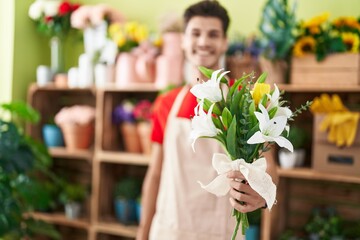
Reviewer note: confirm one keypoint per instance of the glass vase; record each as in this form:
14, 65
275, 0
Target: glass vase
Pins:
57, 56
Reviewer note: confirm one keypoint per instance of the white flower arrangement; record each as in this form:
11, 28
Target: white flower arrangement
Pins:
245, 120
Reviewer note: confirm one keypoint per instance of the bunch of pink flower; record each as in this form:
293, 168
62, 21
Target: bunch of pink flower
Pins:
93, 15
143, 110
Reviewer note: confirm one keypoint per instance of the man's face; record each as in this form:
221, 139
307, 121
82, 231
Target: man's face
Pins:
204, 41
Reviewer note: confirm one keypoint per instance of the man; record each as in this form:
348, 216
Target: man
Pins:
174, 206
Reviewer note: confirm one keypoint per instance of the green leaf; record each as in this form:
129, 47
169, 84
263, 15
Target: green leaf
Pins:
217, 123
22, 110
206, 71
226, 117
262, 77
231, 139
272, 112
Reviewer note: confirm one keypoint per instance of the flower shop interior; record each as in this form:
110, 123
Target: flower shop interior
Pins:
76, 99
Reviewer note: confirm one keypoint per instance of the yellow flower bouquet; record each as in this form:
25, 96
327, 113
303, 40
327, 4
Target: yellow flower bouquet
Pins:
321, 36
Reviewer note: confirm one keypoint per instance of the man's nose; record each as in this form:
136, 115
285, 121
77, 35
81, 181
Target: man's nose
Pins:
203, 40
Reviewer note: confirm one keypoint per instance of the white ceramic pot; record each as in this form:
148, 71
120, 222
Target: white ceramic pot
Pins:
291, 159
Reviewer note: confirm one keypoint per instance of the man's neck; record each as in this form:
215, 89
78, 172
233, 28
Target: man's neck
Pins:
193, 74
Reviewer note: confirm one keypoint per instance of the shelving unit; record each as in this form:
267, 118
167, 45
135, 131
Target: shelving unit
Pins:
107, 161
300, 189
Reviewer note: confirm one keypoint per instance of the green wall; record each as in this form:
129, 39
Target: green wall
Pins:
22, 49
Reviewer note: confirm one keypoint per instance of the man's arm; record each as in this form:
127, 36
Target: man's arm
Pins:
242, 192
150, 191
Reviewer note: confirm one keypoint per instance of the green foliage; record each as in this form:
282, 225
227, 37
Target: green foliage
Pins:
72, 193
22, 162
128, 188
277, 27
297, 136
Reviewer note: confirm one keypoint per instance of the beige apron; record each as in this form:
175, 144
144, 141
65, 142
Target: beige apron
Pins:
184, 210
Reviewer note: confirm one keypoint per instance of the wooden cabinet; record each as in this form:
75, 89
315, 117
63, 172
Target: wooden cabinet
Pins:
99, 167
301, 189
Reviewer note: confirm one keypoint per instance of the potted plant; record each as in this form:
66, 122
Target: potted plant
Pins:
126, 192
72, 196
277, 27
142, 113
298, 137
123, 116
52, 134
25, 164
77, 125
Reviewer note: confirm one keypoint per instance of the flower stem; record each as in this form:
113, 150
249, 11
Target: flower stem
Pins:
240, 218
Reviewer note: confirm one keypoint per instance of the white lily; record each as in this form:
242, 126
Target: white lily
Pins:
209, 89
270, 130
202, 124
274, 102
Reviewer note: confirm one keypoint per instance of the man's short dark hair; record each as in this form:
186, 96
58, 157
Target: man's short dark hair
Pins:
207, 8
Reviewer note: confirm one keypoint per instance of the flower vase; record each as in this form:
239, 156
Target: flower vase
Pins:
144, 132
57, 57
125, 73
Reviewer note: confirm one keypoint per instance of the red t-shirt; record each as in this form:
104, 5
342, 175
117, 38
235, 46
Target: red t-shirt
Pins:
161, 110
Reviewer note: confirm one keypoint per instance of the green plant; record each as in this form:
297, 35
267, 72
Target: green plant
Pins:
72, 193
297, 136
128, 188
24, 175
277, 27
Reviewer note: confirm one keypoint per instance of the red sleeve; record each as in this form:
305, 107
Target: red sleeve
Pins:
161, 111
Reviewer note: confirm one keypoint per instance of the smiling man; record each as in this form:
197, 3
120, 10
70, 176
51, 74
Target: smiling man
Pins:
174, 206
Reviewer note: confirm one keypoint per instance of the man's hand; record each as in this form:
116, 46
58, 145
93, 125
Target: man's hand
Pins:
242, 197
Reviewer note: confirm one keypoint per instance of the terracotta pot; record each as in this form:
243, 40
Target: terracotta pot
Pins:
145, 68
78, 136
130, 137
172, 44
276, 70
169, 71
144, 131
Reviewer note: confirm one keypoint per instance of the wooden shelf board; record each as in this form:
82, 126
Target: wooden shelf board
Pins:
307, 173
309, 88
52, 87
133, 87
62, 152
123, 157
115, 228
60, 219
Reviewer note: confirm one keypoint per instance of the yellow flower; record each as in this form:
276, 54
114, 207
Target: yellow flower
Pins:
114, 28
304, 45
315, 22
350, 22
140, 33
260, 89
351, 41
119, 38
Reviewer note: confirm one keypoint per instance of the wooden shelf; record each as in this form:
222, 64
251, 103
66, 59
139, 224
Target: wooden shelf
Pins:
308, 88
307, 173
60, 219
52, 87
115, 228
123, 158
62, 152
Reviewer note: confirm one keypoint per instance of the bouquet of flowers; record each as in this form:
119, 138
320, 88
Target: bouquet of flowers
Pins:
322, 37
52, 17
245, 121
